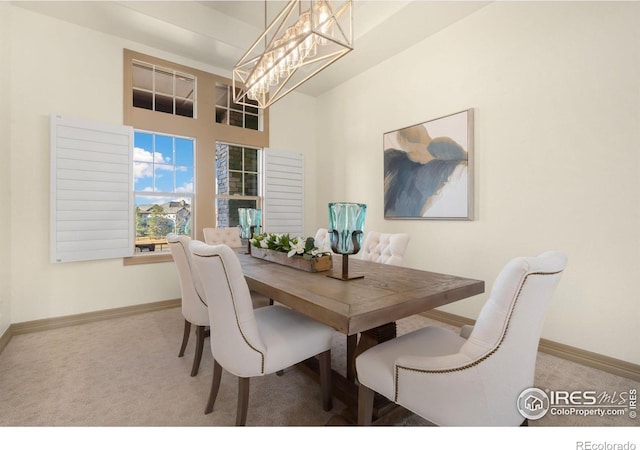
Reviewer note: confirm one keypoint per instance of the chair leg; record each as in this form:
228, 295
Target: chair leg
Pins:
365, 405
215, 386
325, 380
200, 334
185, 337
270, 302
243, 401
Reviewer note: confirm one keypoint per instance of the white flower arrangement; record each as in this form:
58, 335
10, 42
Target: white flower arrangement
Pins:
290, 245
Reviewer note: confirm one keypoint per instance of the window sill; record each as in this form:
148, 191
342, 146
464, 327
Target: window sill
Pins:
147, 259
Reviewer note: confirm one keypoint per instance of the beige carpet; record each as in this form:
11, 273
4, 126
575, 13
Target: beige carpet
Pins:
125, 372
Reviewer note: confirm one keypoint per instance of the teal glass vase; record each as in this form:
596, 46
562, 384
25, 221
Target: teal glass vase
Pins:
346, 224
254, 218
249, 220
243, 223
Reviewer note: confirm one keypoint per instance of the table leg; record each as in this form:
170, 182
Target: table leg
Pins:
352, 341
368, 339
373, 337
346, 388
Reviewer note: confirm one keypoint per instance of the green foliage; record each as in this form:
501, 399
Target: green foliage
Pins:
141, 225
286, 244
310, 245
159, 225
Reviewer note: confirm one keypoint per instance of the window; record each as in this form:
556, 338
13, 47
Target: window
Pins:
235, 114
161, 89
163, 168
174, 107
237, 182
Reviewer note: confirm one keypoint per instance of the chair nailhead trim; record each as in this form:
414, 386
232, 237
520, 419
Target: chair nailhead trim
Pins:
236, 314
480, 359
179, 241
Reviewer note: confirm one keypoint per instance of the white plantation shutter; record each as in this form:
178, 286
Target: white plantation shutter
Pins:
283, 206
92, 212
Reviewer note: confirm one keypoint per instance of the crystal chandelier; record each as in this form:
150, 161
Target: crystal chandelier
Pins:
298, 44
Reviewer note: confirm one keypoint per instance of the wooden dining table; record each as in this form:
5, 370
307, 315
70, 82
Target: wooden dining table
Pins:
364, 309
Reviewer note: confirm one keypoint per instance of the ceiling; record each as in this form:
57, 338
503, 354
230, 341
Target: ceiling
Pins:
218, 33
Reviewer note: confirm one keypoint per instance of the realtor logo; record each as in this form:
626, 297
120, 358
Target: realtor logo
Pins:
533, 403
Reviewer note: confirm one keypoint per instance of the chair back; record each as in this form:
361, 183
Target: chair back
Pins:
235, 341
194, 308
385, 248
322, 240
505, 338
227, 236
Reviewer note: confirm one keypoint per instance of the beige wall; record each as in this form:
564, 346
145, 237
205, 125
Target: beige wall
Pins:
556, 92
5, 163
69, 70
64, 69
293, 128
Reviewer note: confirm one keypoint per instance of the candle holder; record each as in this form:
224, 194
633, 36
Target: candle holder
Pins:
249, 223
346, 222
254, 217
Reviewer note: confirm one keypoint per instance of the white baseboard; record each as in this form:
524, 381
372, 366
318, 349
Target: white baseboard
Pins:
33, 326
590, 359
614, 366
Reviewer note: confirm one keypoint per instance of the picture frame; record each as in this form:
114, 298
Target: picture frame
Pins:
428, 169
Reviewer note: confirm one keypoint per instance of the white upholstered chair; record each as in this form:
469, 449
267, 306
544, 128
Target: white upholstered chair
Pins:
250, 343
450, 380
227, 236
322, 240
194, 309
231, 237
385, 248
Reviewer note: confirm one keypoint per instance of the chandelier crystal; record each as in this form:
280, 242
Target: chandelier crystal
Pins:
306, 37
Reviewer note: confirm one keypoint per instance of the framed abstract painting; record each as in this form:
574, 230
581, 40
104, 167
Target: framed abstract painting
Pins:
428, 169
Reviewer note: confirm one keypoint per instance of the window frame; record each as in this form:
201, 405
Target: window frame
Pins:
203, 128
155, 92
242, 109
259, 172
158, 193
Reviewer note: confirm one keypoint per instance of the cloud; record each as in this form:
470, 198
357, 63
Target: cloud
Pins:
187, 187
144, 161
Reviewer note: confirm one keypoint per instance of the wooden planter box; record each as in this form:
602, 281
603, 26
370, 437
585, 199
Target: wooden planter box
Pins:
319, 264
